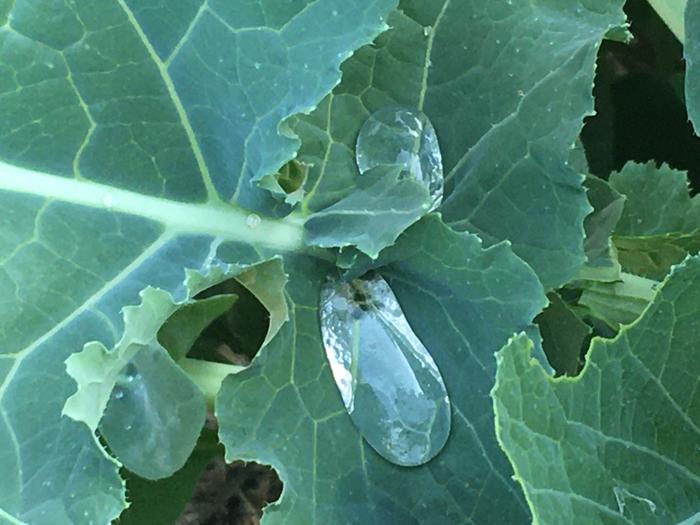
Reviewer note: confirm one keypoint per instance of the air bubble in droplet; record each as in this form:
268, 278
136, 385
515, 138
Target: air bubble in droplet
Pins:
388, 381
253, 220
397, 136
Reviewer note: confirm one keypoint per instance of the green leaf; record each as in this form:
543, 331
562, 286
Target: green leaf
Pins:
564, 336
607, 208
126, 128
506, 90
691, 53
672, 12
184, 326
619, 302
373, 216
162, 502
651, 238
618, 444
285, 409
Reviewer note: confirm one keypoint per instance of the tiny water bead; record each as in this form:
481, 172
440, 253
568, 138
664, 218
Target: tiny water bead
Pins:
397, 136
253, 220
389, 382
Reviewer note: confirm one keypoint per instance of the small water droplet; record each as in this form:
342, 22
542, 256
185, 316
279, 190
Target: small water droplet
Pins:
396, 136
128, 427
257, 65
108, 200
131, 373
253, 220
335, 12
118, 393
427, 30
50, 65
389, 383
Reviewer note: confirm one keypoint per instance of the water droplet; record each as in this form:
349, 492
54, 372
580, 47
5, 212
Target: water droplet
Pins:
118, 393
108, 200
257, 65
131, 373
389, 383
253, 220
50, 65
128, 427
399, 136
335, 12
427, 30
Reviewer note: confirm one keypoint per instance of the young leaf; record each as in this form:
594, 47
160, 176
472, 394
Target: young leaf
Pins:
651, 238
462, 301
618, 444
371, 217
564, 336
607, 208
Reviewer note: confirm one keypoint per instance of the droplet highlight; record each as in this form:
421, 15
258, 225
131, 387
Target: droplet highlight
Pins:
389, 382
253, 220
397, 136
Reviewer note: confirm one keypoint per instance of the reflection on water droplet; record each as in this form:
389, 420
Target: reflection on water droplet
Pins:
131, 373
396, 136
389, 383
118, 393
253, 220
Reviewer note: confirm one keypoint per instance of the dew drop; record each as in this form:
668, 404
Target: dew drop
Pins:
118, 393
253, 220
257, 65
131, 373
389, 382
427, 30
399, 136
108, 200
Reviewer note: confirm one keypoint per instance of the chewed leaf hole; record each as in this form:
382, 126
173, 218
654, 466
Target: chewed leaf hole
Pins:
291, 176
224, 324
234, 494
237, 335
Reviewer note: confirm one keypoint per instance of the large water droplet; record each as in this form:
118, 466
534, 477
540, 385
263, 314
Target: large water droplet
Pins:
397, 136
390, 385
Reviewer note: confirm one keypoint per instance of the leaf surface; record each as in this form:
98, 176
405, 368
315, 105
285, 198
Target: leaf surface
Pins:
285, 410
127, 128
618, 444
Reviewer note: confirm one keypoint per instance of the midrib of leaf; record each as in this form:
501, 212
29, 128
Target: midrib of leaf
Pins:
428, 54
165, 75
87, 304
218, 219
10, 519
